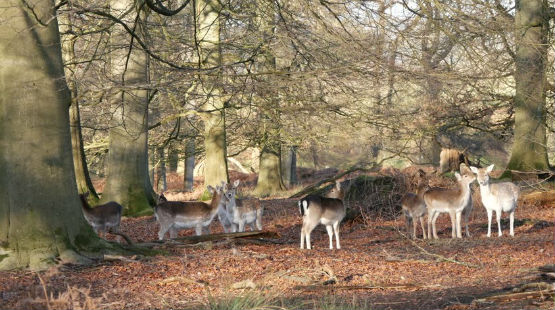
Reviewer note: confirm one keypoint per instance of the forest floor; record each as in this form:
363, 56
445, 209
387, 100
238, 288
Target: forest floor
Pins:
377, 268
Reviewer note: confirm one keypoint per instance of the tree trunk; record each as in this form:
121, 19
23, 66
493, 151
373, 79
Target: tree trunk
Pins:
127, 179
40, 217
82, 177
161, 184
290, 166
529, 151
209, 54
173, 159
189, 168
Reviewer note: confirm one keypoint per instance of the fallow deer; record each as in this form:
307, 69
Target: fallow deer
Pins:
452, 201
316, 210
414, 207
177, 215
241, 212
102, 218
498, 197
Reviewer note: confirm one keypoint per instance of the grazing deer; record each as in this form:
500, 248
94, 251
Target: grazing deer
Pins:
241, 212
414, 207
177, 215
322, 210
498, 197
452, 201
102, 217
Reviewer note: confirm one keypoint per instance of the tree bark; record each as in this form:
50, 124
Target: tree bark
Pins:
161, 184
290, 166
207, 13
40, 217
127, 179
529, 151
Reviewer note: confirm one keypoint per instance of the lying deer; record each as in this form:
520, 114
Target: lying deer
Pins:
414, 207
177, 215
102, 218
452, 201
322, 210
241, 212
498, 197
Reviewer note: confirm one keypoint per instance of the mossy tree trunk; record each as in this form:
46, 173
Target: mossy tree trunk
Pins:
127, 179
207, 14
529, 151
189, 168
82, 177
40, 217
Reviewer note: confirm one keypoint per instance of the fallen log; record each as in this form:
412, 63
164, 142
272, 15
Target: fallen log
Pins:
215, 237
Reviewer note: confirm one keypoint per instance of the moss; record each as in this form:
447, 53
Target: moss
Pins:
206, 195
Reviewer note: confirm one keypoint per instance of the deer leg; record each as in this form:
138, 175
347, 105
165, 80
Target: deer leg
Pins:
498, 218
458, 219
198, 229
453, 217
414, 228
423, 229
489, 221
434, 219
329, 229
512, 222
430, 216
241, 226
336, 231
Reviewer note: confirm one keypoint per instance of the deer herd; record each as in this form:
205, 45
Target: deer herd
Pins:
234, 213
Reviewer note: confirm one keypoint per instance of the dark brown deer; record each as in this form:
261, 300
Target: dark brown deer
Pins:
102, 218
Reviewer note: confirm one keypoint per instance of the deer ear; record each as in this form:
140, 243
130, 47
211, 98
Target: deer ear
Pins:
458, 176
210, 189
474, 169
236, 183
490, 168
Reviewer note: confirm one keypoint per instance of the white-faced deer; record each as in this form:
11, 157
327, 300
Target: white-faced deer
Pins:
102, 218
321, 210
177, 215
414, 207
452, 201
241, 212
498, 197
223, 216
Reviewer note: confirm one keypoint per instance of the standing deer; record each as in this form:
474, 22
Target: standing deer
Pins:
102, 218
241, 212
414, 207
498, 197
177, 215
322, 210
452, 201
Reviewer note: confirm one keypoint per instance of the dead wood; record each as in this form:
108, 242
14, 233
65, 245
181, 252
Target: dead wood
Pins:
363, 287
318, 185
516, 296
258, 235
127, 239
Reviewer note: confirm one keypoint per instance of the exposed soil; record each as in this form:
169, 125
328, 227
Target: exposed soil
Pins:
376, 266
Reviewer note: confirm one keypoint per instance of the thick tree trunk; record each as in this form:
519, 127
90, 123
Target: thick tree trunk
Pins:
173, 159
40, 217
127, 179
529, 151
208, 38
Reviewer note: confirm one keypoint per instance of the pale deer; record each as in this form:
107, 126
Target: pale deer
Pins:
241, 212
452, 201
498, 197
414, 207
177, 215
316, 210
102, 218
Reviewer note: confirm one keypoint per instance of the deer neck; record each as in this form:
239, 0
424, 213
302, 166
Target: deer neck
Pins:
421, 190
215, 202
464, 192
84, 203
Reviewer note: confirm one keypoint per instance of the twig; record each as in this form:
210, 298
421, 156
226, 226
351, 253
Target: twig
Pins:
441, 257
44, 290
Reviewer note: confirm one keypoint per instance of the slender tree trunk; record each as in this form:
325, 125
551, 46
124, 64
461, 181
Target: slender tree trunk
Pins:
40, 218
173, 159
189, 168
127, 179
82, 177
290, 166
207, 13
529, 151
161, 184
